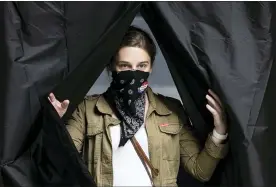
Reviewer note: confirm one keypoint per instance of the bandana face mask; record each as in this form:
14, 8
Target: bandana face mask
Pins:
127, 93
128, 86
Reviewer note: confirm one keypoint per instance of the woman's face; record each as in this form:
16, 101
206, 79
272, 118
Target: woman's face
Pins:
133, 58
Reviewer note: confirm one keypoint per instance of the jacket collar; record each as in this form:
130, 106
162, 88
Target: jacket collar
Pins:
156, 104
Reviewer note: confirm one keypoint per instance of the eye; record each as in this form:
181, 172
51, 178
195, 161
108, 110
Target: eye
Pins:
124, 66
142, 66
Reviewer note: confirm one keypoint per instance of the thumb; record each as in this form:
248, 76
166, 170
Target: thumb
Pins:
65, 104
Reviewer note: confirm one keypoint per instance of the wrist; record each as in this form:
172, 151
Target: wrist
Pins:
220, 131
219, 136
216, 141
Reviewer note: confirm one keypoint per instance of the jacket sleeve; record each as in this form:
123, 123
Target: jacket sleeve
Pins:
200, 163
76, 126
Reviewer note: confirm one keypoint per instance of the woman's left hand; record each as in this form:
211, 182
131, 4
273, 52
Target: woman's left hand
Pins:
216, 108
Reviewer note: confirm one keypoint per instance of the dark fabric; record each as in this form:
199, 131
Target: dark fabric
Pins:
127, 86
228, 47
51, 46
64, 46
126, 93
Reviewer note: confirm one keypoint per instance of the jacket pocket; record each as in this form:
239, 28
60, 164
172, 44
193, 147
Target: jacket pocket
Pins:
170, 140
93, 129
93, 146
170, 150
170, 128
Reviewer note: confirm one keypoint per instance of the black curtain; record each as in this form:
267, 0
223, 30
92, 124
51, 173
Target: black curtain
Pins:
228, 47
51, 46
64, 46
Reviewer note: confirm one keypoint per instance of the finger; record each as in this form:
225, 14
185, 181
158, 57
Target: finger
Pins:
213, 103
215, 96
65, 104
52, 97
213, 112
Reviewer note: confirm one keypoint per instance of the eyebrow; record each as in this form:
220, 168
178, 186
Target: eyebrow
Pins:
130, 63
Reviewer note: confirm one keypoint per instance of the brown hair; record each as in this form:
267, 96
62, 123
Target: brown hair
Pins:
136, 37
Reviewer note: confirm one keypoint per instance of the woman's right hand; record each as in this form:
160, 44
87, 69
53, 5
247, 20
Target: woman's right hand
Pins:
61, 107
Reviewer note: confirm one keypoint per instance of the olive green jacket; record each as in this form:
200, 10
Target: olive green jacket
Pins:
170, 145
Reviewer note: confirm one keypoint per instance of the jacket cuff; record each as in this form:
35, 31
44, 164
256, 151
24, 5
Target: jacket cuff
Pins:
217, 151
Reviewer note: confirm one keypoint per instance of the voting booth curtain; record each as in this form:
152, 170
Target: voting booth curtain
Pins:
63, 47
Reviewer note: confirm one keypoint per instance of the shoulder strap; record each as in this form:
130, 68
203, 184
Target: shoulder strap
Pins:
144, 159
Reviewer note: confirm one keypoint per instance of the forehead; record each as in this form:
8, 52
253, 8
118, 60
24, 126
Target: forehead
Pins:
133, 55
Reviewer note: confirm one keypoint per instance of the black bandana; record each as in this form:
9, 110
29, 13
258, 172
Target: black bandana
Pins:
126, 93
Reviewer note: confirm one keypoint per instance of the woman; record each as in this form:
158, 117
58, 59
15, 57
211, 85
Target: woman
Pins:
106, 128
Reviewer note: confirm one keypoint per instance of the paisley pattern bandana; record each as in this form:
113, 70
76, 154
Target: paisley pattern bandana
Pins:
127, 94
